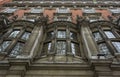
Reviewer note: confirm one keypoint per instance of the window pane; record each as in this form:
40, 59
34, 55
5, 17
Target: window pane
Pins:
47, 47
89, 10
65, 18
97, 36
74, 49
36, 10
117, 10
50, 35
73, 35
103, 49
14, 34
109, 34
61, 34
26, 36
17, 50
4, 45
63, 10
116, 45
61, 48
9, 10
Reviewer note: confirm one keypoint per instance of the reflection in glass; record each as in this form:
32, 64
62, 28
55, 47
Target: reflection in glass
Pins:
14, 33
97, 36
17, 50
116, 45
26, 35
103, 49
74, 48
61, 34
73, 35
61, 48
4, 45
109, 34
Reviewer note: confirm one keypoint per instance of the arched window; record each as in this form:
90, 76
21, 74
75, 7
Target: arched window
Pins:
103, 34
60, 44
13, 41
61, 41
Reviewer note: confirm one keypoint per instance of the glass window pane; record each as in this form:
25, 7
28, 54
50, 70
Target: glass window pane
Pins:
89, 10
61, 34
63, 10
61, 48
9, 10
50, 35
116, 45
117, 10
4, 45
17, 50
73, 35
109, 34
26, 35
97, 36
47, 47
74, 49
36, 10
103, 49
14, 34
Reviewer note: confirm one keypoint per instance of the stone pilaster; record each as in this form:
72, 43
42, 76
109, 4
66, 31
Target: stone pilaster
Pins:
16, 71
102, 68
17, 67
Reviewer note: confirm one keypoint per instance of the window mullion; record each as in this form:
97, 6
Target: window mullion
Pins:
107, 41
68, 41
21, 33
115, 33
8, 33
55, 40
102, 34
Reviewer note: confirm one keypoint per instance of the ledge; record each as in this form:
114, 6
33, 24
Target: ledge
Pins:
65, 66
15, 61
101, 61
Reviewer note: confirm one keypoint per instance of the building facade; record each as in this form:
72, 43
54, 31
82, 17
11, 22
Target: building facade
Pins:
54, 38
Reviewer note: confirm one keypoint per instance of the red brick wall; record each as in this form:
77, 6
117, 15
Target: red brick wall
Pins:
50, 13
4, 1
